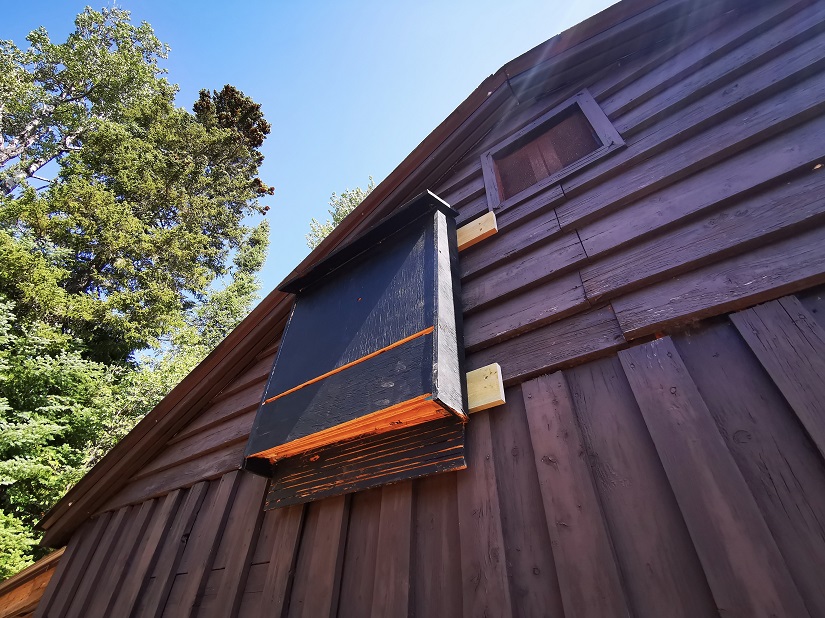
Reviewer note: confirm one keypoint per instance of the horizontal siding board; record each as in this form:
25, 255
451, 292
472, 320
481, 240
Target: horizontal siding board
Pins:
781, 466
523, 212
539, 264
564, 343
772, 116
734, 178
763, 274
549, 302
744, 225
661, 572
224, 410
589, 577
790, 344
744, 567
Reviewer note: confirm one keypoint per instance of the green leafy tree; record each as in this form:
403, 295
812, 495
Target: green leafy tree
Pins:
125, 269
339, 207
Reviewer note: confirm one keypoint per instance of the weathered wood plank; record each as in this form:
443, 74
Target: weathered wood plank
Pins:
549, 302
359, 573
662, 574
734, 178
763, 274
138, 572
570, 341
727, 69
285, 526
21, 593
152, 599
589, 578
790, 344
391, 592
781, 466
204, 542
238, 544
743, 565
436, 581
484, 581
87, 588
531, 568
318, 571
469, 191
220, 412
792, 106
508, 245
60, 590
471, 210
744, 225
546, 260
120, 559
532, 207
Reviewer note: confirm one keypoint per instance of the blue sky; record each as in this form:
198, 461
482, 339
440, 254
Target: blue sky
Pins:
350, 88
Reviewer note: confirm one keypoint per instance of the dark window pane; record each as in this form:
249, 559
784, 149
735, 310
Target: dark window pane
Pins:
537, 156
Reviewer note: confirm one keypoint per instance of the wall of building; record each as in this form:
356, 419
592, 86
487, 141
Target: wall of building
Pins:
655, 457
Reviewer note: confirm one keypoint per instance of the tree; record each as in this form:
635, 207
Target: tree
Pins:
339, 207
126, 268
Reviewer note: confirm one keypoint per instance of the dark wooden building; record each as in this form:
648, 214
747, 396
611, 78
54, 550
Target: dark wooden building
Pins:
651, 297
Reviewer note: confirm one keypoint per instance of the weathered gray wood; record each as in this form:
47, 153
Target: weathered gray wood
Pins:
742, 226
531, 567
743, 565
731, 179
781, 466
790, 344
391, 592
484, 580
661, 572
567, 342
763, 274
589, 577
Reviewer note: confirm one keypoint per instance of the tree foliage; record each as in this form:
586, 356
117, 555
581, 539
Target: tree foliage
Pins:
339, 207
123, 271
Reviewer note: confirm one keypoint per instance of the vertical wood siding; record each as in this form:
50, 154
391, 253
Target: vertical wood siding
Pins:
661, 449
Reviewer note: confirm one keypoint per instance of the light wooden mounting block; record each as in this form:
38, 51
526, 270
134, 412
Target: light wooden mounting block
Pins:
485, 387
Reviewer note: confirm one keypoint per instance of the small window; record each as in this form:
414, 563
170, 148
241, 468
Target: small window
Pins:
560, 142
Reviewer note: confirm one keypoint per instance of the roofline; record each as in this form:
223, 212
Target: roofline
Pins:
198, 388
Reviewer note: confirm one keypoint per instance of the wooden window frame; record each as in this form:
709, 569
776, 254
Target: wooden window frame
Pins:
601, 125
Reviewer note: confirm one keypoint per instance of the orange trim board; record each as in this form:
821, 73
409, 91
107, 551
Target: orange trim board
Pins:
421, 333
405, 414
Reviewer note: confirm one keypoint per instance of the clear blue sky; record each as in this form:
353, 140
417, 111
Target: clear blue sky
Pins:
349, 87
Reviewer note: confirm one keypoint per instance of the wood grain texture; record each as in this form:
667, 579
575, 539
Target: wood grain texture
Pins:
318, 571
477, 230
359, 574
485, 388
484, 580
782, 467
285, 527
763, 274
790, 344
743, 565
661, 572
744, 225
22, 593
531, 557
391, 589
564, 343
589, 578
436, 588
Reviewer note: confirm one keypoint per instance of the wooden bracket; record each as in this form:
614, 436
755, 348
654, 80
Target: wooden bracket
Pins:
485, 388
477, 230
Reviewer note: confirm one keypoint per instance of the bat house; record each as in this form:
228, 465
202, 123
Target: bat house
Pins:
367, 387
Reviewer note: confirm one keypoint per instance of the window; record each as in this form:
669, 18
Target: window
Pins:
370, 363
563, 140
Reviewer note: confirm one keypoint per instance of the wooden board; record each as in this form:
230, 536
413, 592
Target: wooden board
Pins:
782, 467
485, 388
358, 572
391, 589
790, 344
286, 526
763, 274
744, 567
366, 462
477, 230
661, 572
589, 578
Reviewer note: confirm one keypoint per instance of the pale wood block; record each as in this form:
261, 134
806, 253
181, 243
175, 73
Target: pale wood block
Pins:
477, 230
485, 388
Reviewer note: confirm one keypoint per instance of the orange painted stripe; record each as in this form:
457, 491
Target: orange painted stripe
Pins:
421, 333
